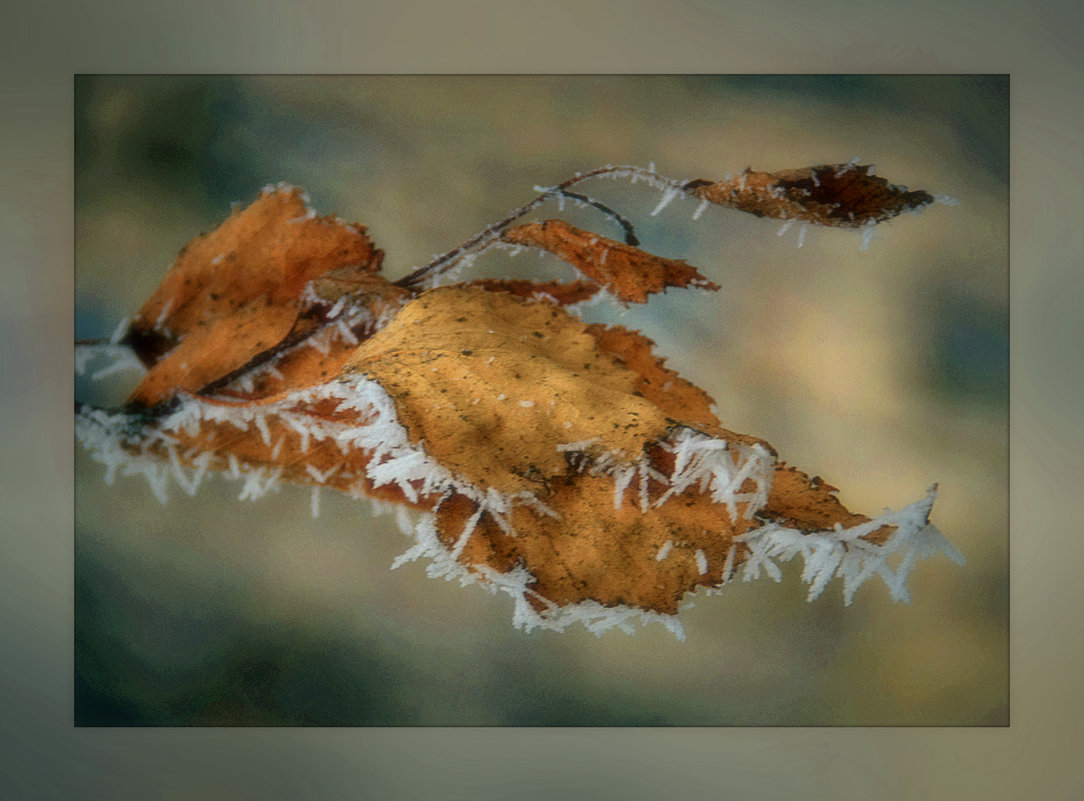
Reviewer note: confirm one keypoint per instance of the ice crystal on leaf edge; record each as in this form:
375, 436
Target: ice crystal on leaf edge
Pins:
715, 467
112, 440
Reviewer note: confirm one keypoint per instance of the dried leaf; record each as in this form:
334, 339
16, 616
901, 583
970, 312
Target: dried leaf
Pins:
210, 348
560, 462
611, 556
342, 312
661, 386
563, 294
629, 273
493, 384
809, 504
841, 195
239, 288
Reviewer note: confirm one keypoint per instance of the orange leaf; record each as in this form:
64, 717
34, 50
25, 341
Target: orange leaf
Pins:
210, 348
561, 462
629, 273
262, 257
809, 504
663, 387
343, 311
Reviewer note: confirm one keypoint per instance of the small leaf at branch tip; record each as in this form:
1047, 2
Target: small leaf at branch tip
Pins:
555, 461
844, 195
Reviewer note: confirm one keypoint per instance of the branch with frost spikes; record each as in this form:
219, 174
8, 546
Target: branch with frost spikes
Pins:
424, 276
838, 195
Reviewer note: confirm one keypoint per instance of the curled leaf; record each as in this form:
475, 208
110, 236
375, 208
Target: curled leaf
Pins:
840, 195
238, 290
557, 461
629, 273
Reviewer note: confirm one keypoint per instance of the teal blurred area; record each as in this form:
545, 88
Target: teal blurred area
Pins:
883, 371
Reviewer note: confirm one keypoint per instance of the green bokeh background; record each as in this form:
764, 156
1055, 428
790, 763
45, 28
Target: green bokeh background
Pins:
882, 370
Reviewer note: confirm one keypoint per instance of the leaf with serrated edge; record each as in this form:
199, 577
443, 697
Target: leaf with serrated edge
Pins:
562, 462
261, 257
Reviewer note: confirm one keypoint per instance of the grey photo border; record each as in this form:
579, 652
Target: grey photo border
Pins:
1029, 41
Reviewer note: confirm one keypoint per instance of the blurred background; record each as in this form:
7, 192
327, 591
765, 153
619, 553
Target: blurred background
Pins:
883, 371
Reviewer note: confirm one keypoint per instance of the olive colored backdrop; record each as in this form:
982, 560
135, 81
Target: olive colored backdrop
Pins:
883, 371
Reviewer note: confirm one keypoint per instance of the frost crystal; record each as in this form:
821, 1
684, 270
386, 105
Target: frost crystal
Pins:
700, 459
667, 196
346, 434
120, 358
842, 553
701, 562
120, 331
868, 235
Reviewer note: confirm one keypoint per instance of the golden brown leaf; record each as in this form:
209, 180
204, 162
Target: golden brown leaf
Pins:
493, 384
561, 462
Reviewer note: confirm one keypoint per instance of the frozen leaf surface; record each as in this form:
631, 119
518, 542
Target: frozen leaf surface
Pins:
494, 385
557, 461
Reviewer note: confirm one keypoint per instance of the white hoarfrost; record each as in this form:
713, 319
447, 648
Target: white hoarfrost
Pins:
726, 471
120, 357
844, 554
595, 617
710, 464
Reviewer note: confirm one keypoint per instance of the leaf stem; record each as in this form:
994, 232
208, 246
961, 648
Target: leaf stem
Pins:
492, 233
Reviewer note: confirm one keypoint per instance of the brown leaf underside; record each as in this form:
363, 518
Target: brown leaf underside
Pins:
839, 195
563, 294
608, 555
